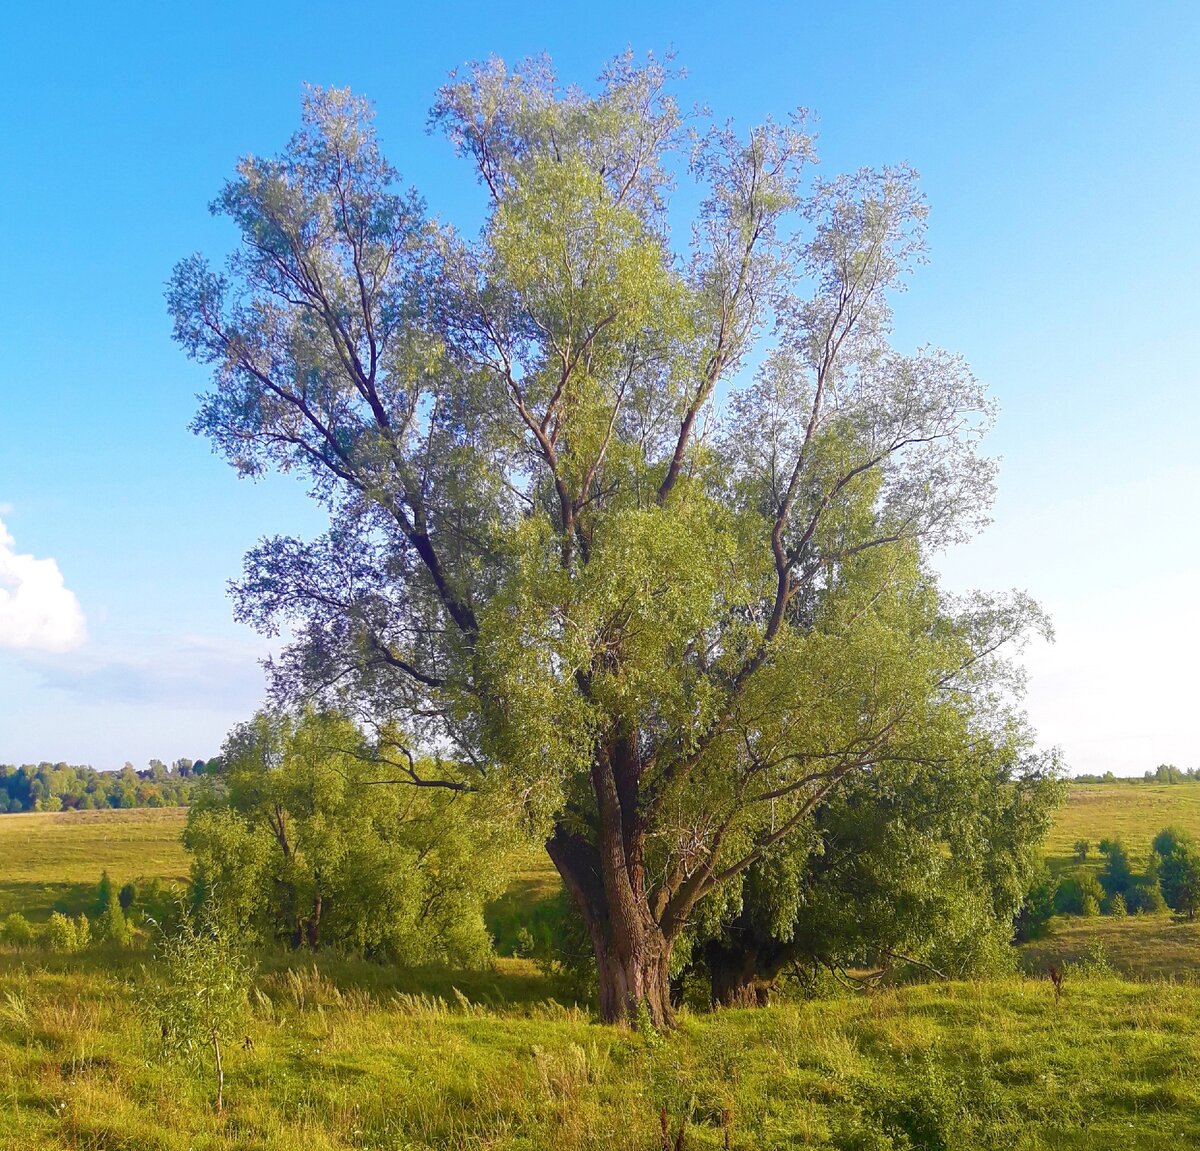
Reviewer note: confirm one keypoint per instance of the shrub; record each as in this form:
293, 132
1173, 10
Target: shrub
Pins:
1144, 898
59, 935
1082, 847
1074, 893
127, 896
83, 932
1117, 874
104, 893
1168, 840
17, 931
113, 927
1116, 906
1037, 907
1181, 880
1091, 907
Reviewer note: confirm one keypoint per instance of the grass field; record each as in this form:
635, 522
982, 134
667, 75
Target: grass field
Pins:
331, 1063
53, 861
347, 1054
1133, 812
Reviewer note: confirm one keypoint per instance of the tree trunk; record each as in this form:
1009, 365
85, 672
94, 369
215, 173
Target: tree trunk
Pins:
606, 879
742, 973
312, 926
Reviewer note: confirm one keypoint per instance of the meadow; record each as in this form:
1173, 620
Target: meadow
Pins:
1132, 812
345, 1054
52, 861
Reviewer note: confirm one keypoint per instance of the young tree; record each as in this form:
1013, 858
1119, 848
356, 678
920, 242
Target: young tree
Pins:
201, 999
305, 846
1117, 873
1178, 870
669, 627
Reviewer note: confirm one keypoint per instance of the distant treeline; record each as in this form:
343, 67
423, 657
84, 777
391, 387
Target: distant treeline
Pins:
1163, 773
68, 787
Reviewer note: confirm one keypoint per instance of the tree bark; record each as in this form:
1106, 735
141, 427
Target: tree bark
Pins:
743, 973
605, 876
312, 926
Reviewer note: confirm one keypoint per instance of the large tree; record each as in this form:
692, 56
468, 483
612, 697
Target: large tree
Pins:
632, 523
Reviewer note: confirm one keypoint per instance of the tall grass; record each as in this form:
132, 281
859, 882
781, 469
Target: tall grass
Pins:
331, 1062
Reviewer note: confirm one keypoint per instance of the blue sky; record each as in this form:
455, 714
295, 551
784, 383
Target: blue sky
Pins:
1059, 149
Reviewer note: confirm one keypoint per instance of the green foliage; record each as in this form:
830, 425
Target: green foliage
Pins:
67, 787
112, 926
1037, 908
59, 935
1168, 840
17, 931
1179, 870
312, 838
927, 864
1116, 906
104, 894
198, 1002
1079, 894
83, 932
1117, 874
1144, 898
652, 643
927, 1110
127, 896
1082, 847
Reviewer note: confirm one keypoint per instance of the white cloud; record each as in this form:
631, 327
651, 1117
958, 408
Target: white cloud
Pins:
186, 672
37, 610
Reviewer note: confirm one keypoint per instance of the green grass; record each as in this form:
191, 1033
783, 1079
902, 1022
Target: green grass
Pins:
336, 1063
349, 1054
1137, 946
1133, 812
53, 861
1141, 946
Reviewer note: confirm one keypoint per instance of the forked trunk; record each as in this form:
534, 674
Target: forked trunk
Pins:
605, 875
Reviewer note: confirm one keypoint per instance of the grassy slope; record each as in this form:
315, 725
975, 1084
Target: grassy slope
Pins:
1144, 946
54, 860
1134, 813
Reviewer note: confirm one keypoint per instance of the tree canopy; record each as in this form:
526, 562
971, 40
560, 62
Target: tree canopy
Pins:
630, 505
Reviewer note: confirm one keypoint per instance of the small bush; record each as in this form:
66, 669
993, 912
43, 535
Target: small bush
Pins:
1033, 918
1116, 906
1082, 847
83, 932
113, 927
1144, 899
127, 896
1094, 962
1118, 872
1076, 893
59, 935
17, 931
104, 893
201, 1000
